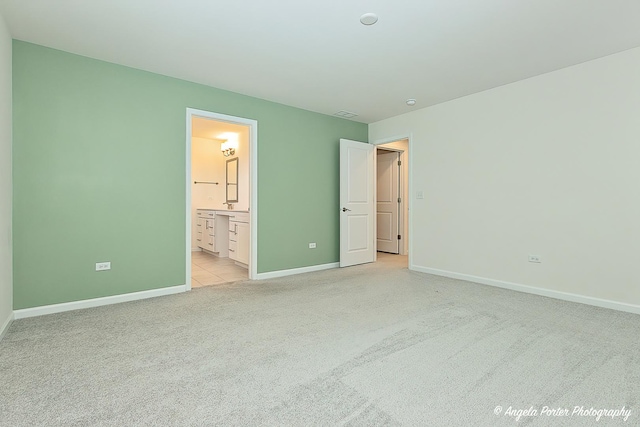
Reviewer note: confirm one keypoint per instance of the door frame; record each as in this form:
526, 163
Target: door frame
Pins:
253, 186
400, 194
409, 138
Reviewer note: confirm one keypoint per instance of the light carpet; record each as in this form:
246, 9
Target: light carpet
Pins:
370, 345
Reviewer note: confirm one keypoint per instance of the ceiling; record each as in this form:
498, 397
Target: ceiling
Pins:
318, 56
213, 129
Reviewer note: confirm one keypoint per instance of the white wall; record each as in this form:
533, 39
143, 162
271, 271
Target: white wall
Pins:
6, 263
548, 166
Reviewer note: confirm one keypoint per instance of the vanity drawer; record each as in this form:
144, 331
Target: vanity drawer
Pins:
202, 213
233, 237
240, 217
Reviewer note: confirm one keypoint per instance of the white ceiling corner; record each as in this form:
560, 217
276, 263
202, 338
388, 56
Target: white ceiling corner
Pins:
319, 57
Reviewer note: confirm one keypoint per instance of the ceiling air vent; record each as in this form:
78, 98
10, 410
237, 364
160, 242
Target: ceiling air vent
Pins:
345, 114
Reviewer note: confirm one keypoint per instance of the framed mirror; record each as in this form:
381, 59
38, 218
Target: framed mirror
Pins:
232, 180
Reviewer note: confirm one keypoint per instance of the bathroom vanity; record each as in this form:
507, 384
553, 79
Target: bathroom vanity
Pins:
239, 238
224, 232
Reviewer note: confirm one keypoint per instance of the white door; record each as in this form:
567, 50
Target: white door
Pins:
388, 201
357, 202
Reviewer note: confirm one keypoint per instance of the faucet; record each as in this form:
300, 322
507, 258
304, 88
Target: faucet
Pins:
229, 205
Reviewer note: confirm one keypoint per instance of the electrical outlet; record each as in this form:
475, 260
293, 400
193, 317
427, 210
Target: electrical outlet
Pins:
419, 194
535, 258
312, 245
102, 266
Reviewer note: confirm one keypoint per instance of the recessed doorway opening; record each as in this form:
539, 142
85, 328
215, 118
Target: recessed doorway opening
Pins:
392, 201
363, 227
221, 198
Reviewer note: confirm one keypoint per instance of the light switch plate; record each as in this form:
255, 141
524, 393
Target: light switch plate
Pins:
535, 258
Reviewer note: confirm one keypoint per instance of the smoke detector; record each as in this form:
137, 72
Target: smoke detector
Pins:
369, 19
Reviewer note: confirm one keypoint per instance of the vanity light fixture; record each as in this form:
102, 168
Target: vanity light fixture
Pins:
227, 150
230, 146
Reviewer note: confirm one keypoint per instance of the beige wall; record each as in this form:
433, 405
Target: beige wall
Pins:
244, 166
207, 164
546, 166
6, 276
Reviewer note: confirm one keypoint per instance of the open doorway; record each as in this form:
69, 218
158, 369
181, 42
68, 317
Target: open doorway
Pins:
392, 197
358, 193
221, 199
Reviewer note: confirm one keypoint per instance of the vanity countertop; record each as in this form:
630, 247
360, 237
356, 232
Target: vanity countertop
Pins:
223, 211
229, 213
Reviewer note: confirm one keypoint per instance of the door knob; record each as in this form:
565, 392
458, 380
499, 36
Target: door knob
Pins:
345, 209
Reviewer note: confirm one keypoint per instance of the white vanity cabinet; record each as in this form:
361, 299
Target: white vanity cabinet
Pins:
224, 232
205, 223
239, 238
200, 224
211, 237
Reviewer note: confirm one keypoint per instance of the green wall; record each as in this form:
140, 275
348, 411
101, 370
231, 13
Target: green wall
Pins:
99, 175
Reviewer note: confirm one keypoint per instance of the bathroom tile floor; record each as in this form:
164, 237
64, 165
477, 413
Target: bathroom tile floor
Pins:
207, 270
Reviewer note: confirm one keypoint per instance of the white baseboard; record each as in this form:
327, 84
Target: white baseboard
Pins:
96, 302
5, 325
566, 296
292, 271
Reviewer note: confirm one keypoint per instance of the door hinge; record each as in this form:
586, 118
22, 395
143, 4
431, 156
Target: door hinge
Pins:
399, 237
399, 200
399, 163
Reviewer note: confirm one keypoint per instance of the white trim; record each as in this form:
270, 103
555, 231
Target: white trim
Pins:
5, 326
187, 268
403, 202
97, 302
566, 296
253, 191
292, 271
395, 150
253, 186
